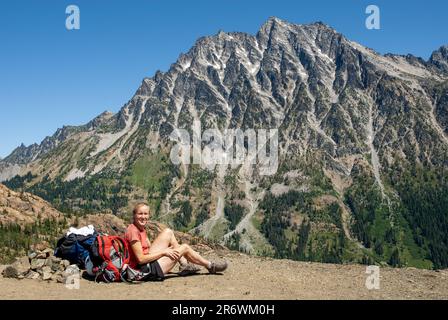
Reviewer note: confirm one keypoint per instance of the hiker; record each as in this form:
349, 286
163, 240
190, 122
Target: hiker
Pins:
160, 257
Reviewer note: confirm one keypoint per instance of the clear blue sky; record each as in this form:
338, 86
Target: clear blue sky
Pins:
50, 77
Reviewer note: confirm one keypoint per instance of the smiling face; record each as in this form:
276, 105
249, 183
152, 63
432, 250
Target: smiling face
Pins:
141, 216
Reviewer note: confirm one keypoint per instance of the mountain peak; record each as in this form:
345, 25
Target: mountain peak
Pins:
439, 58
274, 19
100, 119
273, 23
281, 30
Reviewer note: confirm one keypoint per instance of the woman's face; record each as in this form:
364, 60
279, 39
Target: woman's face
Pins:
141, 217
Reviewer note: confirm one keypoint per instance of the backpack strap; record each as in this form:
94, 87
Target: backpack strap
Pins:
104, 245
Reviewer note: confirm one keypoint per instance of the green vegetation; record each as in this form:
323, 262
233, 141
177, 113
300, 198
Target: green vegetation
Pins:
302, 240
233, 213
19, 182
393, 230
406, 229
306, 242
372, 216
95, 194
16, 240
182, 220
201, 178
424, 196
233, 242
276, 220
153, 173
202, 216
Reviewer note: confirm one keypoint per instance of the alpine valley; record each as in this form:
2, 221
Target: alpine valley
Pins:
363, 145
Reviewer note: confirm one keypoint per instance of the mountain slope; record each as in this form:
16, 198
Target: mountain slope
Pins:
361, 137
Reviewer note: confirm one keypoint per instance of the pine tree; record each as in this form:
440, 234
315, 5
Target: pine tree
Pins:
395, 258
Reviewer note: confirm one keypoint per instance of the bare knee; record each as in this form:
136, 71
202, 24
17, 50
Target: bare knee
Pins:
166, 264
168, 232
185, 248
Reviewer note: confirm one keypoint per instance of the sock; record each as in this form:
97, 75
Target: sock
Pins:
209, 265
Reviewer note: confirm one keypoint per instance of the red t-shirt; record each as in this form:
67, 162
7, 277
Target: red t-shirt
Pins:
134, 234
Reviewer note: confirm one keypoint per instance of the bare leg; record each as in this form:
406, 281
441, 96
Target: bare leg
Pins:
166, 264
166, 239
192, 256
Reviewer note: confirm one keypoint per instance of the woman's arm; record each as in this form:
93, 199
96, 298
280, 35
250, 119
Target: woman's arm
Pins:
136, 247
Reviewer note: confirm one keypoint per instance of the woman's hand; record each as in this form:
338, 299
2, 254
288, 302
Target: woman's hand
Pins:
172, 254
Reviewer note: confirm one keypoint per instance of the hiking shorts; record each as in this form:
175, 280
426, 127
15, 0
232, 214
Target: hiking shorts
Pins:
153, 270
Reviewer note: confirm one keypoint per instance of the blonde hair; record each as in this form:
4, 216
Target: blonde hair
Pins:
138, 206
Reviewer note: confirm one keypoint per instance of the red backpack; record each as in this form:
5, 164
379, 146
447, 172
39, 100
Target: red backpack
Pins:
110, 256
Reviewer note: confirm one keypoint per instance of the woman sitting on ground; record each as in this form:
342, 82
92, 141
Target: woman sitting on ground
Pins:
161, 256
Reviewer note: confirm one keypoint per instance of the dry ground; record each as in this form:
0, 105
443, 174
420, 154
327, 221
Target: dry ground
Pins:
252, 278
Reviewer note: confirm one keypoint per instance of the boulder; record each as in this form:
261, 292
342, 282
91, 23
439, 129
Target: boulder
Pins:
55, 262
41, 246
10, 272
48, 252
48, 262
60, 279
32, 255
22, 265
41, 255
37, 264
57, 277
32, 275
2, 268
46, 273
55, 259
46, 269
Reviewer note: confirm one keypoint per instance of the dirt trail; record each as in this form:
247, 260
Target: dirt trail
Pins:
251, 278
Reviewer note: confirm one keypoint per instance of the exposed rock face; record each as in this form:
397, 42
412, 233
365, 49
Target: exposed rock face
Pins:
439, 59
350, 121
309, 81
23, 207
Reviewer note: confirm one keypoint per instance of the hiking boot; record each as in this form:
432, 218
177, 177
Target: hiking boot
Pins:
217, 267
188, 269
